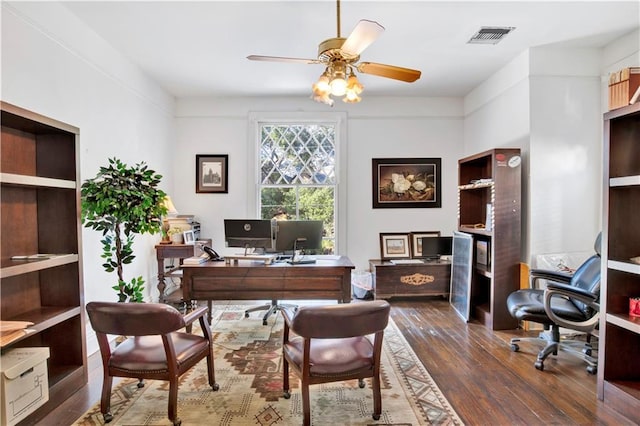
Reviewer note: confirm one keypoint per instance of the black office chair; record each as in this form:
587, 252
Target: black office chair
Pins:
569, 301
271, 309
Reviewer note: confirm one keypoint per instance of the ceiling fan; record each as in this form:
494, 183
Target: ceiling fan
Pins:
341, 56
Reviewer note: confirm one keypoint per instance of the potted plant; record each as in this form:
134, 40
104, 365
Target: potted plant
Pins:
121, 201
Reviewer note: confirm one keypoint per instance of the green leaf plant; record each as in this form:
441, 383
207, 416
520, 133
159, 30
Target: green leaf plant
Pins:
121, 201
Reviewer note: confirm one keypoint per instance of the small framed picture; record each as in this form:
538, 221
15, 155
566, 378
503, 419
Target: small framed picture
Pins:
416, 241
395, 245
189, 237
212, 174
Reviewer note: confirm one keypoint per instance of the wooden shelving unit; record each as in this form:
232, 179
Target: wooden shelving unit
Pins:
492, 178
618, 366
39, 174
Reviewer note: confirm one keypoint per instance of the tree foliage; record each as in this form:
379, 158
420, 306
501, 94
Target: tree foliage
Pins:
121, 201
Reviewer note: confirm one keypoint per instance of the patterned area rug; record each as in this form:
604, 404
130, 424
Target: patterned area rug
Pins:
248, 369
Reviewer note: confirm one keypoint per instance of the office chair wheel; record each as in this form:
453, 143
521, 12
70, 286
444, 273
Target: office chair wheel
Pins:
587, 351
539, 365
264, 322
592, 369
361, 384
286, 395
246, 314
515, 347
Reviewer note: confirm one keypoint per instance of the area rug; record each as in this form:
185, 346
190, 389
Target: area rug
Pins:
248, 368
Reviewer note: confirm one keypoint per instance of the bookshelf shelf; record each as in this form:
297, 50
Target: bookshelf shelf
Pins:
619, 343
489, 186
39, 177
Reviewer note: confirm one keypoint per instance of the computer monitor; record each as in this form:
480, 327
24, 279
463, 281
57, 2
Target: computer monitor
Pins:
434, 247
298, 235
248, 233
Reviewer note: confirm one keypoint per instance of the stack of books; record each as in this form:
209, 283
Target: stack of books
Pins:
196, 260
624, 87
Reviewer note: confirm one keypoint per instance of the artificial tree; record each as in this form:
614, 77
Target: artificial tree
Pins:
121, 201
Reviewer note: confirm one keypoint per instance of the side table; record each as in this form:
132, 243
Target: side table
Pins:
174, 251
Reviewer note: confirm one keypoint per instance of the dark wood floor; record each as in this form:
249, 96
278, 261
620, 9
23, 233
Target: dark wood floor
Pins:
484, 381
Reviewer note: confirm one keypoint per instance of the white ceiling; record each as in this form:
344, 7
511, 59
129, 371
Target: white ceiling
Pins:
199, 48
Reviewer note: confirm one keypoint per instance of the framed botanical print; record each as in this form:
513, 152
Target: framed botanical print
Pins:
406, 182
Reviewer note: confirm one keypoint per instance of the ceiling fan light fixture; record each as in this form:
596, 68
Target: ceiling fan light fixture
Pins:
353, 85
351, 97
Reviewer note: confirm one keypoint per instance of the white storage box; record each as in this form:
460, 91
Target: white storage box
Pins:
25, 385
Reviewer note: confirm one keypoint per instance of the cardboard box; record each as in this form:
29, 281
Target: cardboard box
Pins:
25, 384
622, 86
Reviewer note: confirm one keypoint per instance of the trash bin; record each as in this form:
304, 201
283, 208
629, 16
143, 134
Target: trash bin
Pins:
361, 285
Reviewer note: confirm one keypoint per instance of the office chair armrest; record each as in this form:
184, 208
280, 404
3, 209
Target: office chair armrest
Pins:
194, 315
549, 275
589, 299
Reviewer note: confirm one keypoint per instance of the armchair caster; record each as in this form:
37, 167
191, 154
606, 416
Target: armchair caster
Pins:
376, 417
107, 417
286, 395
177, 422
140, 383
215, 387
361, 384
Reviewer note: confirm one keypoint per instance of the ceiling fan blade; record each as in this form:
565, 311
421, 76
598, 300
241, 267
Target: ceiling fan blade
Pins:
282, 59
365, 33
389, 71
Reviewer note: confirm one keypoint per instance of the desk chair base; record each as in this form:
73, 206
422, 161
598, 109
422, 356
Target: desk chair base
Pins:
577, 348
271, 309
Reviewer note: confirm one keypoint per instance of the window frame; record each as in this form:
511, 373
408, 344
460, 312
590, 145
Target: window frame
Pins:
253, 153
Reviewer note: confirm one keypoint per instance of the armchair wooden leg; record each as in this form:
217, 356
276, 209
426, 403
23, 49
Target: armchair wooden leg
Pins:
377, 398
285, 378
211, 371
105, 401
306, 405
173, 402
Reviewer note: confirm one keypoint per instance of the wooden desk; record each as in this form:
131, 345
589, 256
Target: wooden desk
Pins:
174, 251
253, 280
431, 278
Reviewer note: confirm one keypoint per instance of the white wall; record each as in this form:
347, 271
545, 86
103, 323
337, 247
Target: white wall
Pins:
549, 102
53, 65
376, 128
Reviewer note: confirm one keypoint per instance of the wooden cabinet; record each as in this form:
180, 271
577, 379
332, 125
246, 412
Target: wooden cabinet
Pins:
618, 363
489, 208
431, 278
40, 215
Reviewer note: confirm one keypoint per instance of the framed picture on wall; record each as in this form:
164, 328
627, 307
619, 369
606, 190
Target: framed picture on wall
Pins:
212, 173
406, 182
394, 245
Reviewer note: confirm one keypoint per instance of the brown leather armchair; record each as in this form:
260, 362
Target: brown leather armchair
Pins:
332, 344
154, 349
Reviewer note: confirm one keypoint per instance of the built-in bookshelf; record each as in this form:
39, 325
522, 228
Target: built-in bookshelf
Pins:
40, 198
489, 208
619, 344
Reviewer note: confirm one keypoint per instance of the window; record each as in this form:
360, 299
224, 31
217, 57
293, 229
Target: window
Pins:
297, 173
